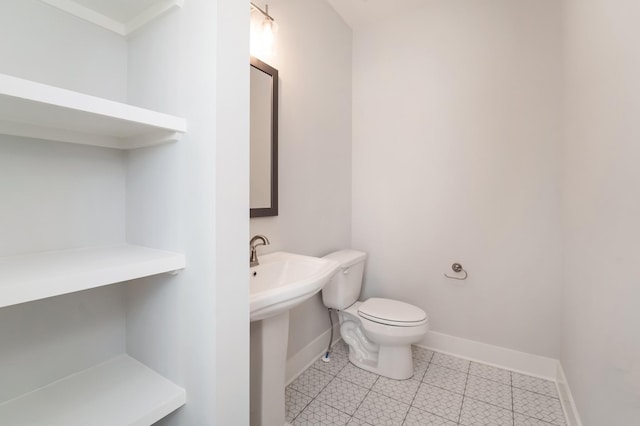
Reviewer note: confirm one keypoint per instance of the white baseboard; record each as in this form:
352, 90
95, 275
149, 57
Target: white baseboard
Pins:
310, 353
568, 404
520, 362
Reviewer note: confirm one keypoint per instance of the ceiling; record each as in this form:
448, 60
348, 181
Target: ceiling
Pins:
118, 10
358, 13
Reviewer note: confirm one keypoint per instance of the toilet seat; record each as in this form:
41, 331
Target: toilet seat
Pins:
392, 312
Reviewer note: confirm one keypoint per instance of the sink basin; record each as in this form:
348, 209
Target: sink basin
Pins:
284, 280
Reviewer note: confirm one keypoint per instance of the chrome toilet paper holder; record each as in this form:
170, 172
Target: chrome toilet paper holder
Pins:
457, 267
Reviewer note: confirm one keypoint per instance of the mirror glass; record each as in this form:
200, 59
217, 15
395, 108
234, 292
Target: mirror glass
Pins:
264, 139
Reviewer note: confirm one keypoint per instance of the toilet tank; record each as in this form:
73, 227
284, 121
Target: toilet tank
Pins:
344, 288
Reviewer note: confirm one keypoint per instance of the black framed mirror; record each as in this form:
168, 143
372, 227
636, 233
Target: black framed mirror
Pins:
264, 139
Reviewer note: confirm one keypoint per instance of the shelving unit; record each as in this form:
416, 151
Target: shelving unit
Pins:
120, 392
121, 17
37, 110
123, 390
36, 276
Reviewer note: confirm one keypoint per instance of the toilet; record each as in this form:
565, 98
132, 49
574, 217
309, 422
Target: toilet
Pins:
379, 331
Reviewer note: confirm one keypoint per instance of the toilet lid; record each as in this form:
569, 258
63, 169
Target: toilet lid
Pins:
392, 312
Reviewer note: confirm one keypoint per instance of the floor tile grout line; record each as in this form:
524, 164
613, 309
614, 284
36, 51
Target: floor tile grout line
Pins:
441, 387
449, 368
498, 381
428, 362
513, 408
539, 420
528, 415
463, 395
417, 390
351, 383
301, 411
536, 418
308, 404
391, 397
319, 369
424, 373
358, 384
445, 389
431, 412
435, 415
303, 408
323, 372
365, 397
488, 403
493, 380
537, 393
315, 397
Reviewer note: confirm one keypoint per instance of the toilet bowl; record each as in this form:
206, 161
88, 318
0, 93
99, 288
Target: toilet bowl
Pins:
382, 344
378, 331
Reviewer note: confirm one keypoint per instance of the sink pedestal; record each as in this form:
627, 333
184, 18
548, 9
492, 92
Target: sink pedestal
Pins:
279, 283
269, 339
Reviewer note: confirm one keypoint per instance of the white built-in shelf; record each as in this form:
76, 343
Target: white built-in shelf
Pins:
120, 16
34, 276
40, 111
120, 392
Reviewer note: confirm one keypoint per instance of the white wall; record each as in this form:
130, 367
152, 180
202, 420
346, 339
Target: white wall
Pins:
57, 195
231, 214
60, 195
194, 328
39, 42
456, 130
601, 344
313, 57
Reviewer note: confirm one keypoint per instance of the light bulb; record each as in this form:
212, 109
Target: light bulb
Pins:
269, 29
263, 34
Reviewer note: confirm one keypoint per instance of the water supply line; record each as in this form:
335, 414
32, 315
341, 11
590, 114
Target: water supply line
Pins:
326, 358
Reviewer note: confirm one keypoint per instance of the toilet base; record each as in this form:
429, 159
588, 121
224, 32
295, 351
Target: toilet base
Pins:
394, 362
376, 350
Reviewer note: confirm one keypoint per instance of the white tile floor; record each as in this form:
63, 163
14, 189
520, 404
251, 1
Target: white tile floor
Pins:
444, 391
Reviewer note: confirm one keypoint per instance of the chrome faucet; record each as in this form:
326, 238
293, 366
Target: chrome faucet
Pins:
258, 240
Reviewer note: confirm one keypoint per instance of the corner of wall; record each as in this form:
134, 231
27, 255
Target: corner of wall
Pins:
305, 357
568, 404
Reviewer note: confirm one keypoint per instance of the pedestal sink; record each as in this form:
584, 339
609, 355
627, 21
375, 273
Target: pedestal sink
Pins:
281, 282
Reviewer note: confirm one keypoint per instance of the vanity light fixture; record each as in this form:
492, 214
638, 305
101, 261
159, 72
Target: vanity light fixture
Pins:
267, 30
265, 12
